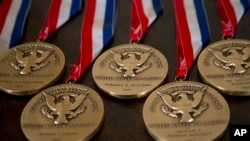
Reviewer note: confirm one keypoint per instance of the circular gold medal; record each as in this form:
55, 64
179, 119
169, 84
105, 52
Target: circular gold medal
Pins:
66, 112
225, 66
30, 67
186, 111
130, 71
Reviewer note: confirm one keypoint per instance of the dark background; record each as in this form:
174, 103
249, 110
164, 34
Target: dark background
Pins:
123, 118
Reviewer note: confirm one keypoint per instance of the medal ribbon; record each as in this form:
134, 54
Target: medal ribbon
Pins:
144, 12
60, 11
97, 30
13, 14
231, 11
192, 33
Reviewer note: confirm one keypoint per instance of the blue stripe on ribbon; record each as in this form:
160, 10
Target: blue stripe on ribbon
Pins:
158, 7
19, 24
245, 4
202, 19
75, 7
109, 20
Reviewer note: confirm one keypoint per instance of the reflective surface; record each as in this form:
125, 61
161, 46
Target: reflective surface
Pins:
184, 111
63, 112
30, 67
130, 70
225, 66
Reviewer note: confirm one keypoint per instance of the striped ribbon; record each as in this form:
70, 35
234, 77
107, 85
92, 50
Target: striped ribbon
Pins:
231, 11
192, 33
60, 11
97, 30
13, 14
144, 12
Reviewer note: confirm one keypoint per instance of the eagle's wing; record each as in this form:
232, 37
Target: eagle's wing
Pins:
50, 100
19, 56
168, 101
43, 56
144, 58
117, 58
219, 55
78, 101
198, 96
246, 53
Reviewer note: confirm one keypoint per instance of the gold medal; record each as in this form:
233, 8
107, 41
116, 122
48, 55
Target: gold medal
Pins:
30, 67
186, 110
66, 112
225, 66
130, 70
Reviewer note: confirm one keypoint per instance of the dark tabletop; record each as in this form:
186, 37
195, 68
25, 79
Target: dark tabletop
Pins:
123, 118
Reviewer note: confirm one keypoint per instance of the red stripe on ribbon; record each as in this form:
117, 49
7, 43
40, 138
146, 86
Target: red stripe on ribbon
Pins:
4, 9
184, 45
228, 18
86, 42
139, 21
51, 20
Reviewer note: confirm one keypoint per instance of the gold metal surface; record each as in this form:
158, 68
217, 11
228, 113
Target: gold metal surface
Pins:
225, 66
186, 111
66, 112
130, 71
30, 67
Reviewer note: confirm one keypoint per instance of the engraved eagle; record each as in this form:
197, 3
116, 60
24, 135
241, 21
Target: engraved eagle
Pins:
187, 107
30, 61
233, 57
130, 62
64, 107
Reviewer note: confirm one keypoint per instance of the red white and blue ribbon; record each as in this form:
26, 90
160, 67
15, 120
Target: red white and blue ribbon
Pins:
97, 30
13, 14
231, 11
143, 13
60, 11
192, 31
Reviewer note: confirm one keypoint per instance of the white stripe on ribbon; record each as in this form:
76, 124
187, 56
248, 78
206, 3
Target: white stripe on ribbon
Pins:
64, 12
97, 28
149, 11
193, 25
5, 37
238, 9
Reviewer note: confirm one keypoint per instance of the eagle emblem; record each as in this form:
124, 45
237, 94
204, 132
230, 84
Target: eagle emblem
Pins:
236, 58
130, 63
63, 107
28, 61
186, 104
